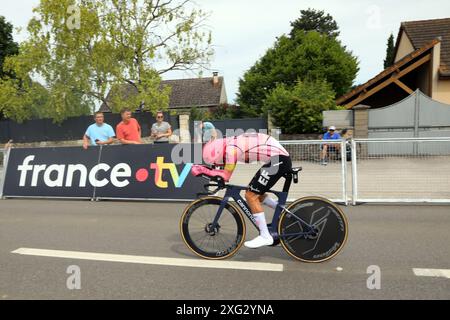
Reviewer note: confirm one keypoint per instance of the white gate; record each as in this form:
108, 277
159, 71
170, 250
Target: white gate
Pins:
401, 170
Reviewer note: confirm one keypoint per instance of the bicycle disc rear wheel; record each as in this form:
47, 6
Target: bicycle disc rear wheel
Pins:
205, 241
328, 221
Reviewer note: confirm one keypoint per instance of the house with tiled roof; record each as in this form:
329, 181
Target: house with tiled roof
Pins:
422, 62
203, 93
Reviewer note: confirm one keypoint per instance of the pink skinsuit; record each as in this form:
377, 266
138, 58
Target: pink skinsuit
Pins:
252, 147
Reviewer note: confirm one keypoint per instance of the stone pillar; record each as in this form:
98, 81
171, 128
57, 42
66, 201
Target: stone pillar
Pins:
361, 121
361, 124
184, 128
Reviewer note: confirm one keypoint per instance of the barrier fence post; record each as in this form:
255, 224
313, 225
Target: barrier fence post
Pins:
354, 173
94, 192
344, 170
308, 154
393, 170
5, 167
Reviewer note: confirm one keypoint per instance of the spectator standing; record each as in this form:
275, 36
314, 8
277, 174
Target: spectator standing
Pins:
129, 131
161, 130
99, 133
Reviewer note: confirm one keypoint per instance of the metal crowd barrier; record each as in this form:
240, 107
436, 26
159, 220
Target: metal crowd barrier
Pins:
401, 170
318, 179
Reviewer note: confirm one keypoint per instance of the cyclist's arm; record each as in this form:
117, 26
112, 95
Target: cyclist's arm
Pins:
231, 158
229, 166
124, 141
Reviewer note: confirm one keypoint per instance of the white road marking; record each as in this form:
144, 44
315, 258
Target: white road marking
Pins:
441, 273
198, 263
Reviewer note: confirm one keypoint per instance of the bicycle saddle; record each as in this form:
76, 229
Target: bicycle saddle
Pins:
294, 172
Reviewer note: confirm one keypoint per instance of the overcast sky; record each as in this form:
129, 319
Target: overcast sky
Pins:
244, 29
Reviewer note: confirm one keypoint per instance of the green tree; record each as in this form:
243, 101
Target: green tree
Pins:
390, 52
7, 48
308, 55
299, 109
7, 45
81, 49
315, 20
24, 99
197, 114
226, 111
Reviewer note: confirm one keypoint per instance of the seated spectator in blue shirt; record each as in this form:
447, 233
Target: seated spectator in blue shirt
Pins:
330, 135
99, 133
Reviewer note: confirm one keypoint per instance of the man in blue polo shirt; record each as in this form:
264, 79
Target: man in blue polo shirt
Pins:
99, 133
330, 135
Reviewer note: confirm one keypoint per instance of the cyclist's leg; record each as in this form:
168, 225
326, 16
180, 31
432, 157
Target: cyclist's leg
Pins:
267, 177
264, 238
254, 201
263, 181
268, 201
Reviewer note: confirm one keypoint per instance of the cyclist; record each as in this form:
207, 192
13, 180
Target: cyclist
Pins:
246, 148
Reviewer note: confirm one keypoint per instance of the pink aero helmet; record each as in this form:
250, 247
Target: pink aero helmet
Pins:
213, 152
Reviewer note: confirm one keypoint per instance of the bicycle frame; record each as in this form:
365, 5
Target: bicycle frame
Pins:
233, 192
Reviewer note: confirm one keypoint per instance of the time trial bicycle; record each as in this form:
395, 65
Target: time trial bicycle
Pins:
311, 229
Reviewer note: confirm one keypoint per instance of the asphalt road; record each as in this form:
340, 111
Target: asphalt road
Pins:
394, 238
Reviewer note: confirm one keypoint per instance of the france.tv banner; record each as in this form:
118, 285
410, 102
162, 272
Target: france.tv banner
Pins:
127, 172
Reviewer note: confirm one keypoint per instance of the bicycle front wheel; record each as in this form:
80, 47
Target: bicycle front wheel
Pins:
327, 236
209, 242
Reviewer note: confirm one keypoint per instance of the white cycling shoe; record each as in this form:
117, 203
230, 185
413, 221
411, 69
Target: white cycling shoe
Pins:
259, 242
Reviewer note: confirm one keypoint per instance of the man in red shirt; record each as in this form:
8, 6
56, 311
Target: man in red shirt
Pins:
129, 130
